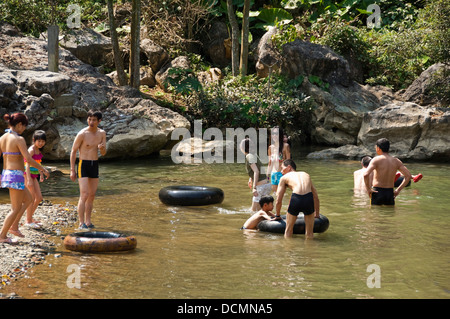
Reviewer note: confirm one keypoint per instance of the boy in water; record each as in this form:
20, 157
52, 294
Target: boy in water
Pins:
266, 203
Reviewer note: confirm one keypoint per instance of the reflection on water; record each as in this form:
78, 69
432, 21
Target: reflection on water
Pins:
200, 252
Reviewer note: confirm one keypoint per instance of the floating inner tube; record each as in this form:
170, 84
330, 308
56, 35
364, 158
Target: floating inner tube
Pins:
97, 241
191, 195
278, 226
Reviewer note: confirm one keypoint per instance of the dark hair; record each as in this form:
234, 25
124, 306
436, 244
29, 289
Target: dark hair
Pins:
97, 114
16, 118
280, 138
288, 162
366, 160
265, 200
383, 144
39, 135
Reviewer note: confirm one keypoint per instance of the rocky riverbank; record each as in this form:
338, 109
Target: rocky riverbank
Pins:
32, 250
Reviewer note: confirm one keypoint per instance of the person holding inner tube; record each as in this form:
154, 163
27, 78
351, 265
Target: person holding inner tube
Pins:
384, 167
88, 142
304, 199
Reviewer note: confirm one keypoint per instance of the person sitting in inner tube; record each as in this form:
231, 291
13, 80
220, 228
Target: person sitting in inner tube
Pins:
266, 203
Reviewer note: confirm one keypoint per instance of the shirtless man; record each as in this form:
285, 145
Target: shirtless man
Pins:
359, 187
384, 167
304, 198
88, 142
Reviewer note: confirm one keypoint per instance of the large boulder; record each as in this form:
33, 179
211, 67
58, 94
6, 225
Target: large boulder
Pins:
87, 45
306, 58
420, 91
338, 112
156, 55
58, 102
414, 131
181, 62
268, 59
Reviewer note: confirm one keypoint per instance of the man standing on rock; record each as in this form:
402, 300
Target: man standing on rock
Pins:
384, 167
88, 142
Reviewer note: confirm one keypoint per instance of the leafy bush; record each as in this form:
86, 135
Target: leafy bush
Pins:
245, 102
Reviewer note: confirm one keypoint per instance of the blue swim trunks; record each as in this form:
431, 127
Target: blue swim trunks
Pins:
275, 178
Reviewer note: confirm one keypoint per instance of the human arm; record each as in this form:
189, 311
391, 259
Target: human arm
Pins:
255, 178
270, 165
316, 202
280, 194
286, 151
102, 145
406, 178
368, 177
73, 155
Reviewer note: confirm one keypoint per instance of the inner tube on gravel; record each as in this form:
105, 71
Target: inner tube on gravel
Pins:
97, 241
191, 195
278, 226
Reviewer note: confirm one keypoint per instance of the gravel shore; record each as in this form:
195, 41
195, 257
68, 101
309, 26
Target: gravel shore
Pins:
31, 250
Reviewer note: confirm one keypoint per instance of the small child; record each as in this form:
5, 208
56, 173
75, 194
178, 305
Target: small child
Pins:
32, 175
266, 203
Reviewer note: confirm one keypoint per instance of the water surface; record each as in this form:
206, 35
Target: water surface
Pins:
200, 252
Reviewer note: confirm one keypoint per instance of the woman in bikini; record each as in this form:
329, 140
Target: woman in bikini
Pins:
278, 151
14, 150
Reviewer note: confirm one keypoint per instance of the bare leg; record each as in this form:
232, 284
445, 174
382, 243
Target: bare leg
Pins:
36, 194
88, 189
21, 201
290, 221
309, 226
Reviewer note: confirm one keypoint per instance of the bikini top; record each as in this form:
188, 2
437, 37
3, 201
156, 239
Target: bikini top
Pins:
11, 153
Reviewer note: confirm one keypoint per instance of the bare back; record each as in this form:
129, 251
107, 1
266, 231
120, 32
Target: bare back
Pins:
299, 182
10, 143
384, 168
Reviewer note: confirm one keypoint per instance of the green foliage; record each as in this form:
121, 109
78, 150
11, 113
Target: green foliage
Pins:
34, 16
251, 102
286, 33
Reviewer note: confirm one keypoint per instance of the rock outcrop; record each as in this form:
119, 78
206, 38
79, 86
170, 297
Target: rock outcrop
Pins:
58, 102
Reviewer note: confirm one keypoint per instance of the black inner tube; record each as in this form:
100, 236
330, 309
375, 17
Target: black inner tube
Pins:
98, 234
191, 195
321, 224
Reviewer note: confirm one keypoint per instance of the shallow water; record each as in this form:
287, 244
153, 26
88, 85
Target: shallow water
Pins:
200, 252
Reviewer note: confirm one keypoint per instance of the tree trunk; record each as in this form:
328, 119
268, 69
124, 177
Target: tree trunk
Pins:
234, 38
244, 38
116, 49
135, 40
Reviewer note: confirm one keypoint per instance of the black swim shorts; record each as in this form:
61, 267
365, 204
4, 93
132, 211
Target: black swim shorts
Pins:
301, 204
383, 196
87, 168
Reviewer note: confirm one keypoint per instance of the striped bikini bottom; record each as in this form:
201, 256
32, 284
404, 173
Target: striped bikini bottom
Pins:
13, 179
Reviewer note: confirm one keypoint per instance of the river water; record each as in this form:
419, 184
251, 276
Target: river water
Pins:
200, 252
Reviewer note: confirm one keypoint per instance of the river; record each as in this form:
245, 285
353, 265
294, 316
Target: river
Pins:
200, 252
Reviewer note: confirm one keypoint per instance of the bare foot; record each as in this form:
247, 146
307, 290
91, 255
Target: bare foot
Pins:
17, 233
8, 240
